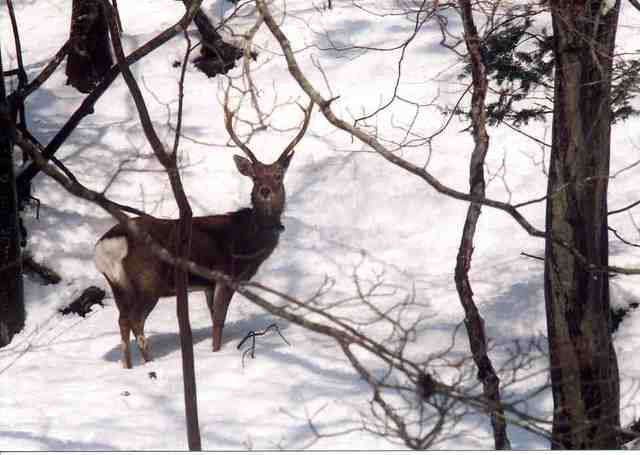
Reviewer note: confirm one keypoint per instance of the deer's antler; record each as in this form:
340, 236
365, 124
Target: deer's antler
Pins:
303, 130
228, 124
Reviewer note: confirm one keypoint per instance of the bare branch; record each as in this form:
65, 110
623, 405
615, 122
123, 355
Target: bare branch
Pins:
323, 322
86, 107
370, 140
375, 144
183, 243
623, 240
46, 72
183, 72
625, 208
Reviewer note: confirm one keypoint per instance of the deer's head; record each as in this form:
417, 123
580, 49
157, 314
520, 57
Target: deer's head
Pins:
267, 195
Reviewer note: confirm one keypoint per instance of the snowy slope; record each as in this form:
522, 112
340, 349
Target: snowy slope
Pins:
348, 212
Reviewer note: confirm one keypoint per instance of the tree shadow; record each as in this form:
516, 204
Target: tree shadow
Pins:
166, 344
48, 443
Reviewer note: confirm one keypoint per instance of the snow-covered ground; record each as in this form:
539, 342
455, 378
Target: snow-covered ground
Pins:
63, 387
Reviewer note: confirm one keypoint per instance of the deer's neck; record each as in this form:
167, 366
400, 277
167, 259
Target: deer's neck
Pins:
267, 225
263, 222
254, 236
258, 225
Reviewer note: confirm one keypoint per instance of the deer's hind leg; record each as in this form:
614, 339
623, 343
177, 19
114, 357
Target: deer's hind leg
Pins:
138, 319
143, 344
134, 309
125, 332
123, 321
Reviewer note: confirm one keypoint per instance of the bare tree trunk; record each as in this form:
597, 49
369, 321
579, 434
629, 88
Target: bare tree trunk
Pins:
473, 321
116, 11
216, 55
584, 369
89, 55
12, 314
183, 251
22, 74
168, 160
183, 248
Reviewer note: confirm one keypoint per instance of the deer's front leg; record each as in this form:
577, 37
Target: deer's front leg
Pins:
210, 293
221, 302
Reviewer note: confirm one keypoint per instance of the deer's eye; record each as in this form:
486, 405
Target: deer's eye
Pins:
278, 177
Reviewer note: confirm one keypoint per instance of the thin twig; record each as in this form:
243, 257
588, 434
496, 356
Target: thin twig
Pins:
615, 232
253, 334
540, 258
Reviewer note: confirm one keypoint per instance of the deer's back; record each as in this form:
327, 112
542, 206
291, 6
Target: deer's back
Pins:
228, 243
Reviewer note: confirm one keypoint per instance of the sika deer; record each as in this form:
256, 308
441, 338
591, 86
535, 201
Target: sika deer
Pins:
235, 243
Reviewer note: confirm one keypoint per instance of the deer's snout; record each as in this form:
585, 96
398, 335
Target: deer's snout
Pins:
264, 192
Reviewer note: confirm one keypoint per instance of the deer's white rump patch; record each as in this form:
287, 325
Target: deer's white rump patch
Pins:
108, 257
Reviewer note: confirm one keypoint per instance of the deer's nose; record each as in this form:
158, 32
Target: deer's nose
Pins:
265, 192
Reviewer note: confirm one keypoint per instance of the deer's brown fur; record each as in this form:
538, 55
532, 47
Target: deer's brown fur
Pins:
235, 243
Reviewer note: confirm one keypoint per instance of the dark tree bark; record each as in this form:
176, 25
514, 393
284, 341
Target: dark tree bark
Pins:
22, 74
216, 55
86, 108
584, 371
89, 55
12, 313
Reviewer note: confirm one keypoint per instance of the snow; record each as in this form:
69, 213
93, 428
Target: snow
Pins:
349, 213
607, 5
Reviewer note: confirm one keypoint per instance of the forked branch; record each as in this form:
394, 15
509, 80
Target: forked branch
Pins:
288, 307
420, 172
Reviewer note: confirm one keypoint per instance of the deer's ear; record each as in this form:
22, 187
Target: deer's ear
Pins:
245, 167
286, 159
